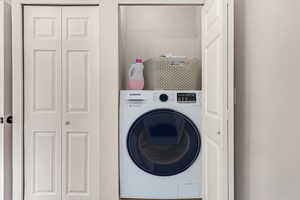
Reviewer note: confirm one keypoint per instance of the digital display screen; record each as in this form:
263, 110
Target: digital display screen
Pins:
186, 97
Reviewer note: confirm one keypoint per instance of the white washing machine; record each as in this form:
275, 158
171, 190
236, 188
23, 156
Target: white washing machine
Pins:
160, 144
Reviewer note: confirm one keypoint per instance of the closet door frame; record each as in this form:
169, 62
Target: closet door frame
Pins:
230, 94
109, 93
5, 100
109, 90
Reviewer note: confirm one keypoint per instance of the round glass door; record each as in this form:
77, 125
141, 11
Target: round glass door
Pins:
163, 142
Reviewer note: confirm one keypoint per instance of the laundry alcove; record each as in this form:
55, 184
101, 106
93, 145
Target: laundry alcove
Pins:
147, 31
71, 59
150, 31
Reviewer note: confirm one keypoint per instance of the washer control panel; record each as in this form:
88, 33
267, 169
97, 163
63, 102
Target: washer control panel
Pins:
186, 97
160, 98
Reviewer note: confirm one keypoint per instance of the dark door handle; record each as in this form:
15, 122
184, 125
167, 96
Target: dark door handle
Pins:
9, 119
1, 120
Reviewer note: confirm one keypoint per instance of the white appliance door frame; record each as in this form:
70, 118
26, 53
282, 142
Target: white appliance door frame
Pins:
5, 102
217, 47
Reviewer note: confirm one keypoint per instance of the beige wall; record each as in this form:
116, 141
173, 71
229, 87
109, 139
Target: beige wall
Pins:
268, 101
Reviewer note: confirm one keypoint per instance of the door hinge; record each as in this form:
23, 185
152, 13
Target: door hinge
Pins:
229, 113
235, 96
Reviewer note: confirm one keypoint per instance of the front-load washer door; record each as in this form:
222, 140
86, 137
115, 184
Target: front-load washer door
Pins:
163, 142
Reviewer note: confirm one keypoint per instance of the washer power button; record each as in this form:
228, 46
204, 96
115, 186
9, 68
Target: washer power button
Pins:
163, 97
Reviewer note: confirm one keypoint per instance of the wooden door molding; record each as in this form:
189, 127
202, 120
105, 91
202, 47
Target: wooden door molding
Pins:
5, 101
109, 73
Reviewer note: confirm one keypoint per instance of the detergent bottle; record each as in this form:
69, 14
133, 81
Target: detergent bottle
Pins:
136, 76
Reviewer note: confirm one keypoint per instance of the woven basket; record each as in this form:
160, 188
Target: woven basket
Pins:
172, 74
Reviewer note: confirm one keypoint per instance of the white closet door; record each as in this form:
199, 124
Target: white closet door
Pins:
80, 135
215, 100
5, 102
42, 93
61, 102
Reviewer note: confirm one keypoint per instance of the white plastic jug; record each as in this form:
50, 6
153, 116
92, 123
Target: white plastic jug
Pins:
136, 76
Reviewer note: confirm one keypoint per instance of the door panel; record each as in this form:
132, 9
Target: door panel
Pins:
44, 162
213, 175
42, 86
214, 18
77, 162
44, 81
77, 80
80, 84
